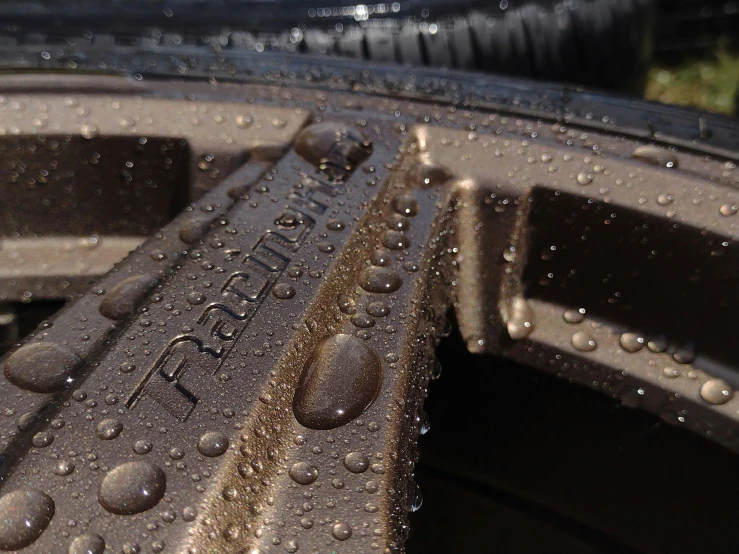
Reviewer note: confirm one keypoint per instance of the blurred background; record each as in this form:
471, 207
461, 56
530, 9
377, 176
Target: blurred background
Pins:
674, 51
696, 56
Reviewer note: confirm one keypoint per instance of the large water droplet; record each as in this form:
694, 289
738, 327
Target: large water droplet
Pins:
396, 222
395, 240
377, 309
346, 304
303, 473
89, 543
109, 429
42, 440
378, 279
332, 148
41, 367
655, 156
213, 444
195, 227
24, 515
341, 531
584, 178
356, 462
63, 468
340, 381
428, 175
520, 318
657, 344
631, 342
380, 258
122, 299
574, 316
132, 487
283, 291
684, 354
670, 372
404, 204
716, 391
584, 342
727, 210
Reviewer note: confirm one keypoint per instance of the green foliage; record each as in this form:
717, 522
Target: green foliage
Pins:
708, 83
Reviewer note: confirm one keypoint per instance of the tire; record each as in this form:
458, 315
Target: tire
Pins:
686, 27
251, 377
602, 43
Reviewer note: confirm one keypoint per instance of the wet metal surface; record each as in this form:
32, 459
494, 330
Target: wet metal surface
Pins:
251, 378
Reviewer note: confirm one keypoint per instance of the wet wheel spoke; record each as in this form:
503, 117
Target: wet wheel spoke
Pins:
252, 375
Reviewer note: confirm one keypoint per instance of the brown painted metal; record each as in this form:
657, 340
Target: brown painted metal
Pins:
251, 377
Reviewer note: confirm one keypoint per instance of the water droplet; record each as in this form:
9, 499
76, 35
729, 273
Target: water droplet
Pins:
397, 222
41, 367
665, 199
127, 367
63, 468
109, 429
631, 342
657, 344
584, 342
405, 204
417, 501
289, 220
346, 304
194, 297
584, 178
670, 372
380, 280
243, 121
335, 225
87, 544
655, 156
142, 447
42, 440
380, 258
520, 318
205, 161
363, 321
284, 291
195, 227
333, 149
326, 247
121, 300
303, 473
395, 240
24, 515
26, 421
189, 513
158, 255
574, 316
377, 309
728, 210
213, 444
356, 462
88, 131
132, 487
684, 354
341, 531
428, 175
339, 382
716, 391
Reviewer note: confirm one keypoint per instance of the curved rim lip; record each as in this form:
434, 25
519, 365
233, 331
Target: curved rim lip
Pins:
685, 127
